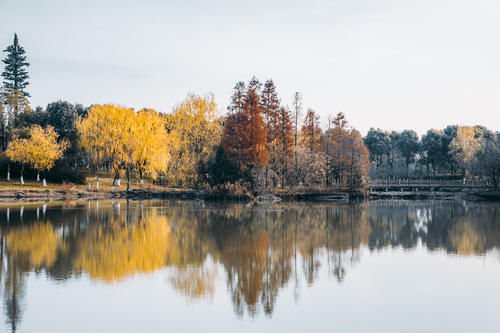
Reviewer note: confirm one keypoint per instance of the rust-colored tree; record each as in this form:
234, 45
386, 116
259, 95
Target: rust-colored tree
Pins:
245, 133
358, 161
311, 133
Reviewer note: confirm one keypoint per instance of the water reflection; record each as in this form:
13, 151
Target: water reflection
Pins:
257, 250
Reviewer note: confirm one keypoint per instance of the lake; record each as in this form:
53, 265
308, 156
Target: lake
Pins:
158, 266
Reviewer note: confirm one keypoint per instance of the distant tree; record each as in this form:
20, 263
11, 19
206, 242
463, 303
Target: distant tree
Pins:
450, 132
465, 146
283, 143
311, 150
15, 74
358, 160
377, 141
432, 146
62, 116
32, 117
270, 105
489, 160
297, 114
339, 153
311, 133
408, 145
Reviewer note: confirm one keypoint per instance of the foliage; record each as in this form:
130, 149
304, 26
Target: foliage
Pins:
195, 130
464, 147
15, 74
106, 135
40, 150
150, 143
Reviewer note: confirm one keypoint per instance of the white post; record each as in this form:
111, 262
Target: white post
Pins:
44, 183
38, 176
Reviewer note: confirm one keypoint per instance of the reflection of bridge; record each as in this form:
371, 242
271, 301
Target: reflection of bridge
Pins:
424, 184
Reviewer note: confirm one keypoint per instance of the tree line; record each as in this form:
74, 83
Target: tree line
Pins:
454, 152
259, 143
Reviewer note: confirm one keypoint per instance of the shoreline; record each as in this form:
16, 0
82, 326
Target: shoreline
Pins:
17, 195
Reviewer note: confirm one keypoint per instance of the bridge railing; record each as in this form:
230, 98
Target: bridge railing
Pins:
427, 182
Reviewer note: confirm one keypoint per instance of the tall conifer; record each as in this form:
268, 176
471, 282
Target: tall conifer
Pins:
15, 76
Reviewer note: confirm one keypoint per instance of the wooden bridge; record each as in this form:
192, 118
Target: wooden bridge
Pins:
424, 185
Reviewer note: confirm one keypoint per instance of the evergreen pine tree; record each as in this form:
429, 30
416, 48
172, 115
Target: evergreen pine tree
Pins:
15, 74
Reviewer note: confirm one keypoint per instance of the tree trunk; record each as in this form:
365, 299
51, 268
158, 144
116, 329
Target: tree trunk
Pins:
141, 181
44, 183
22, 172
8, 172
128, 179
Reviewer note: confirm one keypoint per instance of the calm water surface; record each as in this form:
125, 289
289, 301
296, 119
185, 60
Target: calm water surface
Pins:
153, 266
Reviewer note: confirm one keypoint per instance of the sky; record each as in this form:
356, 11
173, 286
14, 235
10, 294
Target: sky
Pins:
390, 64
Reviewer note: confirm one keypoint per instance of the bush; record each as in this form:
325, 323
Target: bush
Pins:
62, 173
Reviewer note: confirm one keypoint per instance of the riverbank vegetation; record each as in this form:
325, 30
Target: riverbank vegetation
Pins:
258, 144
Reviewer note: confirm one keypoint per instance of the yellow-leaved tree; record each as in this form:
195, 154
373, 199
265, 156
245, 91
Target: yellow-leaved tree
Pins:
41, 150
196, 130
106, 135
150, 144
464, 147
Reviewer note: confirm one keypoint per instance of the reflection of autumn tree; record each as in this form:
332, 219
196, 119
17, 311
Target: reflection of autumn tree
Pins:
194, 281
262, 249
113, 252
465, 239
34, 245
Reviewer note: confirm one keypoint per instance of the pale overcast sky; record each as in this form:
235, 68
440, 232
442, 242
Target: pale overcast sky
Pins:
392, 64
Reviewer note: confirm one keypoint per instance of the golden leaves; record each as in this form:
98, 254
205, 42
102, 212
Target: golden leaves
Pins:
40, 150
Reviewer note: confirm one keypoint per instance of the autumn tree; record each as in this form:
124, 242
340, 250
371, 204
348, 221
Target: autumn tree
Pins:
311, 151
150, 144
40, 150
195, 128
358, 160
256, 152
245, 132
464, 147
106, 137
